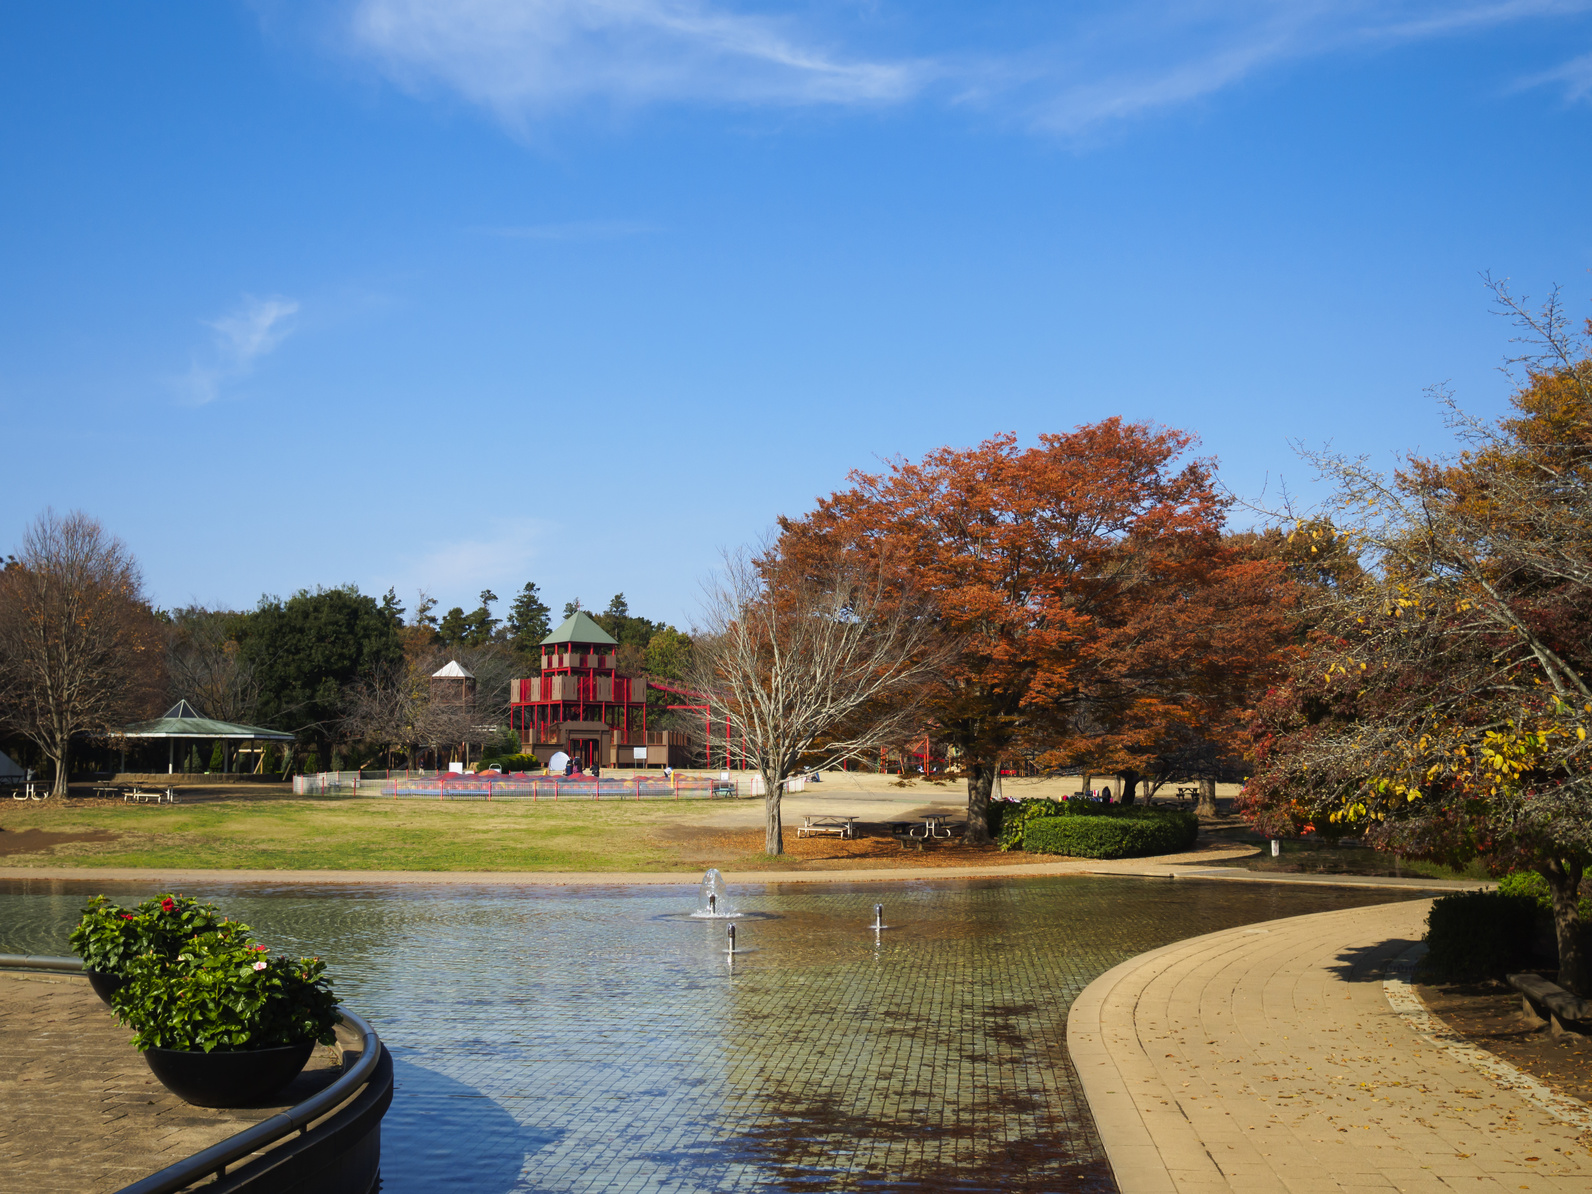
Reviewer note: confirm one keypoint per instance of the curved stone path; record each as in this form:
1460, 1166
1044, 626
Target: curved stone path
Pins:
1268, 1058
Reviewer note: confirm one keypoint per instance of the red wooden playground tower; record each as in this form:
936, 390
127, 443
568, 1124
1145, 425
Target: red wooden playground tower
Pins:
577, 705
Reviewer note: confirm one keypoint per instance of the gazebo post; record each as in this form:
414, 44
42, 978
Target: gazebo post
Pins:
171, 756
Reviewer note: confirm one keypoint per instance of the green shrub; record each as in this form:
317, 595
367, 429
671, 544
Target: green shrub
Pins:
219, 992
108, 937
1110, 831
1534, 886
1009, 818
1478, 934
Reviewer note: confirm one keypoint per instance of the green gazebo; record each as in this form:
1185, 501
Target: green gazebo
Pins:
182, 721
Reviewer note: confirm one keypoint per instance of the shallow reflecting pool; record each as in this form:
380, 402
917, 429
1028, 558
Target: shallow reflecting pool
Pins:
598, 1039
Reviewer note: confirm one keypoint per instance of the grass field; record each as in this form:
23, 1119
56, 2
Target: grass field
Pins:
349, 834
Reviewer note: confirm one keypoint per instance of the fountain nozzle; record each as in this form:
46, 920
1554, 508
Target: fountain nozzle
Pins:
713, 903
732, 938
878, 916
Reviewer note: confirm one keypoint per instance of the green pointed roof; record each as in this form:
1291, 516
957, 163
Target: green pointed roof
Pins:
182, 720
579, 628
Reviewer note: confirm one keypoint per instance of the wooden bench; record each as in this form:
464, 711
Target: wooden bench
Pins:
1541, 1001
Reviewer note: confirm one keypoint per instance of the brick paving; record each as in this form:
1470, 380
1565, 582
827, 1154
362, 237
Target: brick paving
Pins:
82, 1111
1269, 1058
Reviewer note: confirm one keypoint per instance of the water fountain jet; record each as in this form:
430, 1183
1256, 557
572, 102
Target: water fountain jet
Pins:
715, 900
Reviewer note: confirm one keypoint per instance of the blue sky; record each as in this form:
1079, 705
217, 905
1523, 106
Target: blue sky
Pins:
455, 294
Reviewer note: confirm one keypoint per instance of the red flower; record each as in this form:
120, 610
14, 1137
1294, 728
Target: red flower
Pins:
166, 905
127, 916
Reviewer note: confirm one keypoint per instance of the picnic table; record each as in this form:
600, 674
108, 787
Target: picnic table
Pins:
29, 790
927, 829
841, 826
139, 796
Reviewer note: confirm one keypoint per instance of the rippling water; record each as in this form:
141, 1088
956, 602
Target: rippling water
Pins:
598, 1039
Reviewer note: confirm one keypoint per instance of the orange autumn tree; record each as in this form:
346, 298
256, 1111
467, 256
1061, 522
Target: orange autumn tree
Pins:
1070, 576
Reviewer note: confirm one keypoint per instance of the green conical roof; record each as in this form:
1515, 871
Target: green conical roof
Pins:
579, 628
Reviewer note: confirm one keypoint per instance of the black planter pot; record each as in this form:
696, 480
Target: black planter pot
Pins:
228, 1079
105, 985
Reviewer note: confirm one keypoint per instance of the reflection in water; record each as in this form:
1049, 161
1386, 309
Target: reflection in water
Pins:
537, 1054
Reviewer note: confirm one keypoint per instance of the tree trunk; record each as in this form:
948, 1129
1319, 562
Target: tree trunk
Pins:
62, 763
773, 829
1564, 881
1130, 784
1207, 802
980, 782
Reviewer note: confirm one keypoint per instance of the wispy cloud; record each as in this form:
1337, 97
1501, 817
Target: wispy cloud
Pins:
459, 568
1157, 55
522, 58
1066, 70
1574, 78
240, 338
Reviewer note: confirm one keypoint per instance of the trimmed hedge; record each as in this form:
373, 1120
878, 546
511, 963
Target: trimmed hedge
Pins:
1111, 831
1478, 934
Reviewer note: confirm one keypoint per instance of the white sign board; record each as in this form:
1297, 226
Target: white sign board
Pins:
641, 754
455, 768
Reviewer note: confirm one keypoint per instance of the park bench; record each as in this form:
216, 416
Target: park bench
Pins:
29, 790
1541, 1001
839, 826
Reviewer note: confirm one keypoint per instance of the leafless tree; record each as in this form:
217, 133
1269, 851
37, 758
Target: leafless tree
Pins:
205, 666
805, 666
80, 649
395, 706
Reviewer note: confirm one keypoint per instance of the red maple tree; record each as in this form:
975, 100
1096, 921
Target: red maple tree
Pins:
1085, 582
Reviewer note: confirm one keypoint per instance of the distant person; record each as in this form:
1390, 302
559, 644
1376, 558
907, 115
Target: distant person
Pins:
596, 771
1105, 794
569, 768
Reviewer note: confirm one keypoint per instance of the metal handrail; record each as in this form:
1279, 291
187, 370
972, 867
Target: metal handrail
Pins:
217, 1157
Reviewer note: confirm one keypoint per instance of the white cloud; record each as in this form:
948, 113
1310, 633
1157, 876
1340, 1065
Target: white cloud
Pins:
1062, 69
524, 57
455, 571
241, 337
1160, 54
1575, 77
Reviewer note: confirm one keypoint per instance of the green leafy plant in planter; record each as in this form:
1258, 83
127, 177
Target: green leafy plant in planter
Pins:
108, 937
223, 1023
222, 993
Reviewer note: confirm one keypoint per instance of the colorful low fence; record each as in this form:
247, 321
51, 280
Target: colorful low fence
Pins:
492, 786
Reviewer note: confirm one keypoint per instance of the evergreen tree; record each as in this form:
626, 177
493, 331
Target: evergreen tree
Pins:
528, 621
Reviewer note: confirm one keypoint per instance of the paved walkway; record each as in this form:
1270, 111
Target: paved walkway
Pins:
82, 1111
1269, 1058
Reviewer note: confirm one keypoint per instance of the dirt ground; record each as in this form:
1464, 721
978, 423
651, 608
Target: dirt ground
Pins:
31, 841
1489, 1015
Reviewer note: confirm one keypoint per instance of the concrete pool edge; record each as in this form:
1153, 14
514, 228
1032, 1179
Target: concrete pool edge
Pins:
1192, 1059
1126, 868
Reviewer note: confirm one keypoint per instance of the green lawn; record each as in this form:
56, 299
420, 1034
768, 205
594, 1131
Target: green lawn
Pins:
364, 834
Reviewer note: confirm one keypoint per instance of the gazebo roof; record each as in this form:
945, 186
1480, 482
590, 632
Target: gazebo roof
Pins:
182, 720
454, 670
579, 628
